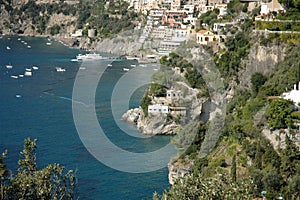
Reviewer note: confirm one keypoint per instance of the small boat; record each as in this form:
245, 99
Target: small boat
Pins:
109, 65
18, 96
21, 75
25, 43
28, 69
59, 69
82, 68
8, 48
28, 46
74, 60
48, 43
9, 66
142, 65
155, 69
19, 39
35, 68
125, 69
14, 76
28, 73
133, 65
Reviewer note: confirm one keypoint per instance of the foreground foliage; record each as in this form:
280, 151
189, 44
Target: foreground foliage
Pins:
29, 182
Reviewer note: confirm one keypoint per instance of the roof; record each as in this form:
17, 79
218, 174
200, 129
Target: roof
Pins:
202, 31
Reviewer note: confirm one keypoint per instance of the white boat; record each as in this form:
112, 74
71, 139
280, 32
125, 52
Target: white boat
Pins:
142, 65
18, 96
133, 65
8, 48
19, 39
28, 69
21, 75
59, 69
14, 76
155, 69
109, 65
74, 60
125, 69
82, 68
9, 66
48, 43
25, 43
90, 56
35, 68
28, 73
28, 46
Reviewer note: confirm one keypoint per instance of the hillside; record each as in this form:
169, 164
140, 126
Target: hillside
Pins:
45, 17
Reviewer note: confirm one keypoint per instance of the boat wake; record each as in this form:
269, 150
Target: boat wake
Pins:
67, 98
75, 101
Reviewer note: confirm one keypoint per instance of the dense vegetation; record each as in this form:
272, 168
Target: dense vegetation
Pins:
98, 14
29, 182
192, 75
245, 163
103, 16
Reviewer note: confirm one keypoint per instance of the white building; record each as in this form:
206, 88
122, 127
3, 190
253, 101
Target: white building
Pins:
77, 33
158, 109
173, 95
273, 6
190, 19
293, 95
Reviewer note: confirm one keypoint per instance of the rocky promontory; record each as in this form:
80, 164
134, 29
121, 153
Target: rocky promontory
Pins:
154, 125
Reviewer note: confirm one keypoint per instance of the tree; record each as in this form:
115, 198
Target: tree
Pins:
233, 169
279, 113
294, 187
145, 102
272, 183
257, 80
290, 160
50, 182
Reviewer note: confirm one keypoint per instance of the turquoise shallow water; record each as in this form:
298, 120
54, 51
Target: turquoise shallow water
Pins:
44, 111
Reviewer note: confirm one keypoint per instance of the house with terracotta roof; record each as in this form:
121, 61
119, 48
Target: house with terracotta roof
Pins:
205, 37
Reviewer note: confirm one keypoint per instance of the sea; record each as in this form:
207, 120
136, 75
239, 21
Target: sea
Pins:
40, 106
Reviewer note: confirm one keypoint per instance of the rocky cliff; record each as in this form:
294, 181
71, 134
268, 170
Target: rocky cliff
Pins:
261, 59
152, 125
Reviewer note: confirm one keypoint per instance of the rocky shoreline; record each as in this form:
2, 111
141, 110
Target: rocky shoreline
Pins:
154, 125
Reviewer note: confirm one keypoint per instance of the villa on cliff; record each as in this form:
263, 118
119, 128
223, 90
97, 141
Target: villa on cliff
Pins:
293, 95
162, 105
205, 37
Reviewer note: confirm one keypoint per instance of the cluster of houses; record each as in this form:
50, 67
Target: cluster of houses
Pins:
170, 22
165, 104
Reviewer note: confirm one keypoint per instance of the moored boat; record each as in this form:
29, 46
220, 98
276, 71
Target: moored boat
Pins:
59, 69
28, 73
9, 66
90, 56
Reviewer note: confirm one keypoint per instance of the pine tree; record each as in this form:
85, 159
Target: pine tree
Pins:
233, 169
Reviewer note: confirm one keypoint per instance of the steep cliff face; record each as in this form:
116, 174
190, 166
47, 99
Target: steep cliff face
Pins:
261, 59
126, 43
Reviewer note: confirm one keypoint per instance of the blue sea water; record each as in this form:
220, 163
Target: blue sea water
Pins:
40, 107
